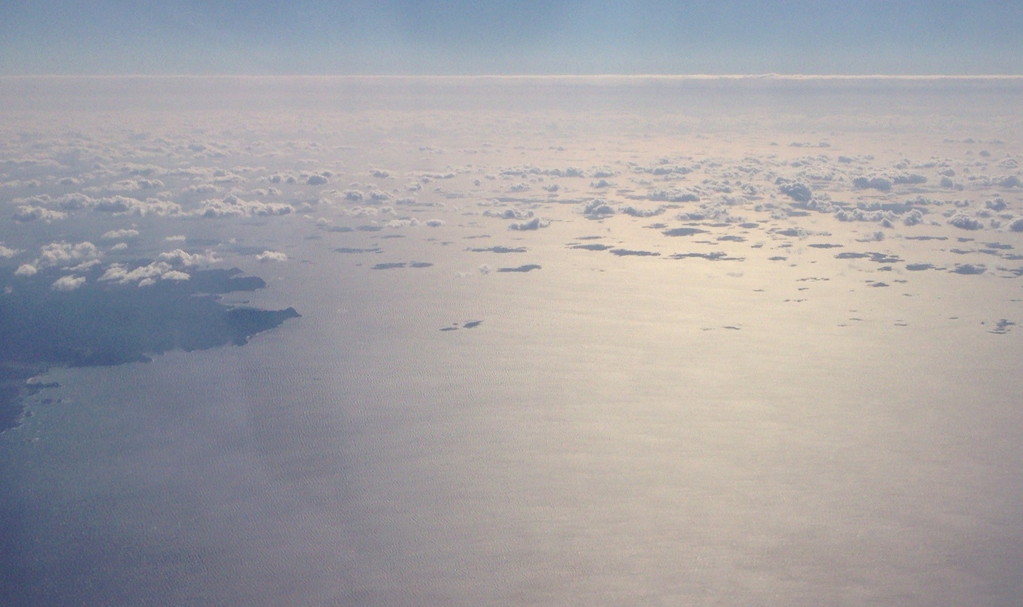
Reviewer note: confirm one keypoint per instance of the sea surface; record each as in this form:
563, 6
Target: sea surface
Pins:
563, 341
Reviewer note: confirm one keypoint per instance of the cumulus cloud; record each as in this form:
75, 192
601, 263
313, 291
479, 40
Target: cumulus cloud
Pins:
26, 269
636, 212
597, 209
168, 266
145, 275
664, 167
7, 252
533, 224
796, 191
123, 205
203, 188
85, 265
132, 185
73, 201
232, 206
508, 214
672, 195
26, 213
182, 258
68, 283
125, 234
402, 222
120, 274
64, 253
874, 183
965, 222
268, 256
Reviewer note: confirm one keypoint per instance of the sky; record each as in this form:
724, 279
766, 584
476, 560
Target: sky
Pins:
500, 37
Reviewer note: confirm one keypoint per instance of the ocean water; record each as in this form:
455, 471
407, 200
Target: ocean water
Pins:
815, 401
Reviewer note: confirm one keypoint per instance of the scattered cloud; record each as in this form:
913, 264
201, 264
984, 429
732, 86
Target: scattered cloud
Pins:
533, 224
62, 254
26, 269
123, 234
965, 222
26, 213
181, 258
268, 256
68, 283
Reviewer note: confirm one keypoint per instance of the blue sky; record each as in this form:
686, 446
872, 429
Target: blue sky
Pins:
488, 37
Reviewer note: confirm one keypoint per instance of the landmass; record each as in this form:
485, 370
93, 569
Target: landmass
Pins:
101, 324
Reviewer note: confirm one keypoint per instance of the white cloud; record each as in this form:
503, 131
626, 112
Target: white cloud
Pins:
203, 188
119, 274
117, 205
533, 224
175, 275
267, 256
376, 196
965, 222
27, 213
597, 209
85, 265
123, 205
124, 234
285, 178
362, 212
68, 283
232, 206
131, 185
402, 222
143, 275
74, 201
799, 192
7, 252
508, 214
672, 195
26, 269
64, 253
636, 212
179, 257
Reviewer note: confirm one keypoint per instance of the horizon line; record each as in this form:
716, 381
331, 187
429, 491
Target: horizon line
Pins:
694, 76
